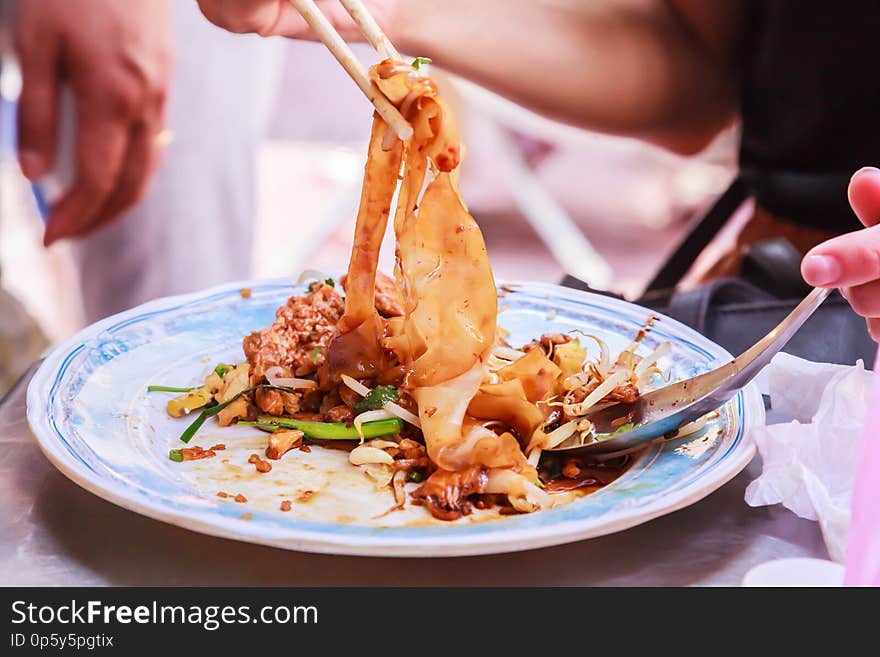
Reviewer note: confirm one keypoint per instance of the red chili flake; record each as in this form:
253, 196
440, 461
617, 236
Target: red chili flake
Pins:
241, 499
222, 494
218, 447
245, 293
285, 505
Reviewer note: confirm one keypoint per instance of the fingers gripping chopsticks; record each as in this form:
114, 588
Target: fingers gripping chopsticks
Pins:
343, 54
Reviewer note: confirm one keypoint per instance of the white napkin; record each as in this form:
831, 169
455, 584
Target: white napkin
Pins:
810, 463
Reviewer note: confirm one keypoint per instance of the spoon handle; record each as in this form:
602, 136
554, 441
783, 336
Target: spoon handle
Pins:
751, 361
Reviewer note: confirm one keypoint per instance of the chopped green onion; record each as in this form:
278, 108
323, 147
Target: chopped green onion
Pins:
170, 389
539, 483
415, 476
376, 399
175, 455
418, 61
221, 370
315, 353
330, 282
328, 430
623, 428
191, 430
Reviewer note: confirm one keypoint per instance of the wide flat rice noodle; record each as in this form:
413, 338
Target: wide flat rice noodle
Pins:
537, 374
452, 301
444, 278
508, 403
355, 349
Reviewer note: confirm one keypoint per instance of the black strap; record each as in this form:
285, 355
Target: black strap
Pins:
678, 264
693, 307
774, 265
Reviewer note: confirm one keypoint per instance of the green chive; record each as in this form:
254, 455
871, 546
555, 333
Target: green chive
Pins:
376, 399
539, 483
330, 282
327, 430
623, 428
262, 426
418, 61
221, 370
415, 476
175, 455
191, 430
315, 353
170, 389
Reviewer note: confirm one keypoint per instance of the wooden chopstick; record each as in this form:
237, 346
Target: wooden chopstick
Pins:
343, 54
376, 37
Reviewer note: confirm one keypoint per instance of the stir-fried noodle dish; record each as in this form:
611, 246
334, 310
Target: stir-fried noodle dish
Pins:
412, 374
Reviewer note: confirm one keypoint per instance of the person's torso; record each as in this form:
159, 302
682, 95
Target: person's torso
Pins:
810, 101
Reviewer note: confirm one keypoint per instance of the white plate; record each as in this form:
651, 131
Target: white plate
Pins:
93, 418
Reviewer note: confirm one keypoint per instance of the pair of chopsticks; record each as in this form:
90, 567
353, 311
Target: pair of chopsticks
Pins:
343, 54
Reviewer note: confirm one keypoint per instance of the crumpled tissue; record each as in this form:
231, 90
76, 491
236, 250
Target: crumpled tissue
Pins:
810, 463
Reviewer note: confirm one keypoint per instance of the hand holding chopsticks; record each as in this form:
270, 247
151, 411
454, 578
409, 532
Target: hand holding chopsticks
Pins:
343, 54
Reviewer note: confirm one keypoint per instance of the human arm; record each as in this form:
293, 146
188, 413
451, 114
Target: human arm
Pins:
116, 58
660, 70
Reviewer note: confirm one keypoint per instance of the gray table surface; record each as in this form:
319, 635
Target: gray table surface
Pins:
53, 533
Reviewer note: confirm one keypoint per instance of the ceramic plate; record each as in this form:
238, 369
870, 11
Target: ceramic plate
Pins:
89, 408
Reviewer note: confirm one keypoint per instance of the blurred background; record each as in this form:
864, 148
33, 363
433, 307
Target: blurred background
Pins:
550, 199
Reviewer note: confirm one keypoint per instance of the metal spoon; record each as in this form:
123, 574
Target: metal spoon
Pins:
660, 413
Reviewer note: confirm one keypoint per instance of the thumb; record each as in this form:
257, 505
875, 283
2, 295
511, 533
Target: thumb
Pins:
844, 261
38, 108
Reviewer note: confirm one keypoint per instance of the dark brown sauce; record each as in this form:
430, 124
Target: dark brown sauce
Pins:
592, 476
341, 445
567, 485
